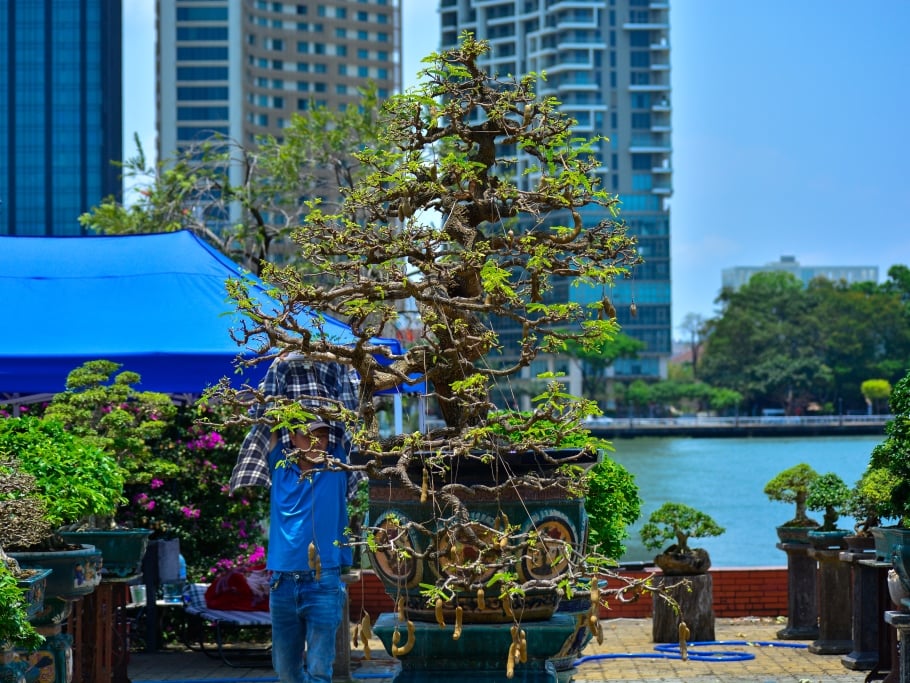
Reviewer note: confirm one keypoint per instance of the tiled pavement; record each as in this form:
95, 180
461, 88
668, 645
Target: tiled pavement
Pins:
784, 661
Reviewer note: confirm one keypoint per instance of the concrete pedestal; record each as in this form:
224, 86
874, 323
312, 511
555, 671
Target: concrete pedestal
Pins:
901, 623
835, 635
480, 654
802, 598
867, 620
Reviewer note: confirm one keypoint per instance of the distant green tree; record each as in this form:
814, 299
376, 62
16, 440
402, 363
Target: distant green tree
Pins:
875, 391
597, 358
767, 344
269, 182
695, 327
865, 333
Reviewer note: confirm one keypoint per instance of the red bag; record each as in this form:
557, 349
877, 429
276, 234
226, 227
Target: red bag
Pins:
232, 591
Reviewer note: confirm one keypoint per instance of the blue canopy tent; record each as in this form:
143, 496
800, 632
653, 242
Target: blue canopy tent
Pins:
156, 303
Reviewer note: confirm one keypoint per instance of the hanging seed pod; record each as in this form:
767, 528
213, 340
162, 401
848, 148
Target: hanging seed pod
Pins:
592, 624
481, 599
424, 486
633, 310
507, 607
355, 636
317, 570
408, 646
510, 662
683, 641
523, 647
366, 627
311, 554
401, 614
608, 309
459, 612
439, 617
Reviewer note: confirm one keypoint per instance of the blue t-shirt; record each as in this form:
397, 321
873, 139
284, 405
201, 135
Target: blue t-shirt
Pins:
305, 509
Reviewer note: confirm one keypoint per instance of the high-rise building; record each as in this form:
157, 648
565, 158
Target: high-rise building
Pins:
243, 67
60, 112
608, 63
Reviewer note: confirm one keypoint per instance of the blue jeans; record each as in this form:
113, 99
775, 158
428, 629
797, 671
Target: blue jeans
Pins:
305, 617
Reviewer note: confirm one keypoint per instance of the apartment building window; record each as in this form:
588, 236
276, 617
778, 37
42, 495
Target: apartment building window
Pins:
186, 94
640, 59
641, 162
201, 54
201, 33
202, 14
641, 120
642, 182
202, 73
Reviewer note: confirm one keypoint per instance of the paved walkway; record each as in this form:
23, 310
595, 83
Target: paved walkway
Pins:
627, 654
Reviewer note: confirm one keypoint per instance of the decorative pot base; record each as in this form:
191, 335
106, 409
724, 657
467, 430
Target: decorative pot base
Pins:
480, 653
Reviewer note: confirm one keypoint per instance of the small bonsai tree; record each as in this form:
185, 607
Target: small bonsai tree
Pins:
792, 486
677, 522
72, 478
893, 454
23, 521
870, 499
829, 494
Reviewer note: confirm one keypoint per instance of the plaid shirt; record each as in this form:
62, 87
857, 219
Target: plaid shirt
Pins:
314, 384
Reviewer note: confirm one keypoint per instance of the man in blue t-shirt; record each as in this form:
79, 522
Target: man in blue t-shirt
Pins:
307, 548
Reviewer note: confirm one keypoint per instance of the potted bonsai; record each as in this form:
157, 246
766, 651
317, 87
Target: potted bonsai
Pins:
892, 543
22, 520
792, 486
828, 494
73, 479
447, 233
101, 406
676, 523
869, 504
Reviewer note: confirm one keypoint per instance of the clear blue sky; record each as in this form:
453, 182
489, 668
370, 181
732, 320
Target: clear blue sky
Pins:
790, 132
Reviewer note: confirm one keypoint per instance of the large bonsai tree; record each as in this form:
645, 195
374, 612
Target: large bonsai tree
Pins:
452, 232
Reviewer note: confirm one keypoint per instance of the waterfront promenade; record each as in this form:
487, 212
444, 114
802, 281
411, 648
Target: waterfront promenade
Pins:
719, 427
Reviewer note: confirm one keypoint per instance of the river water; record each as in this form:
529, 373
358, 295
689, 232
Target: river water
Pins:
726, 479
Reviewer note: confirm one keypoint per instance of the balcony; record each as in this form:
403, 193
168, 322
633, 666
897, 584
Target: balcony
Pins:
650, 87
664, 190
650, 26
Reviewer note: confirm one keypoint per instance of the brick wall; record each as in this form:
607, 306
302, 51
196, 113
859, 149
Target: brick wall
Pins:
738, 592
